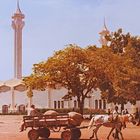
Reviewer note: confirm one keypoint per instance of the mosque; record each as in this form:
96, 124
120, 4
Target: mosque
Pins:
13, 96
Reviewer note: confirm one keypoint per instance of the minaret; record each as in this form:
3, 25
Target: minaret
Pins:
103, 33
18, 24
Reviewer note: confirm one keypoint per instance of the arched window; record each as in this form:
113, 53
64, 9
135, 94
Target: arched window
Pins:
96, 104
100, 104
55, 104
58, 104
5, 109
62, 104
21, 108
104, 104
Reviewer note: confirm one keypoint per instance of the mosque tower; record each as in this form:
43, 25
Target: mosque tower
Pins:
103, 33
18, 24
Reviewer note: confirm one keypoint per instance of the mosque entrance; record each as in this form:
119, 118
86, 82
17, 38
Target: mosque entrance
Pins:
21, 108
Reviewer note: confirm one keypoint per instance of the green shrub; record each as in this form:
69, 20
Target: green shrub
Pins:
66, 110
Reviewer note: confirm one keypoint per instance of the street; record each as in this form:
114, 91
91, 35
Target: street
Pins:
9, 130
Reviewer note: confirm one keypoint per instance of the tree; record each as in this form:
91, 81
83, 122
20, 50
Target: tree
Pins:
119, 77
101, 60
70, 69
126, 77
118, 41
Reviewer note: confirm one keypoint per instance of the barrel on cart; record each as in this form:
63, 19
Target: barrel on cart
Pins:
42, 126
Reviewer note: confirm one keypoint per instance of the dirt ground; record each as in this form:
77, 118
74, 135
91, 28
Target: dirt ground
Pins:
9, 130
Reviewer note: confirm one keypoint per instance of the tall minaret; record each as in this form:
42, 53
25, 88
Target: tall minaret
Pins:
103, 33
18, 24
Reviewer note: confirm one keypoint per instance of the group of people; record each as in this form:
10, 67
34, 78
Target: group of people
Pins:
116, 111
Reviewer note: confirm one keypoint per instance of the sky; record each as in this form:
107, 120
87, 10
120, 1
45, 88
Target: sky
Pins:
50, 25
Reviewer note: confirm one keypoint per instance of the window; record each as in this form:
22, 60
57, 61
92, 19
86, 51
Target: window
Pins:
21, 108
104, 104
55, 104
96, 104
58, 104
62, 104
5, 109
100, 104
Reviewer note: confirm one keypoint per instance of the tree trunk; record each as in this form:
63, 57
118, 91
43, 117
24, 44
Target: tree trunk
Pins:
81, 105
29, 105
82, 108
122, 107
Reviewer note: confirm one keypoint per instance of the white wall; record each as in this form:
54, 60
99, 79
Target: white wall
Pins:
41, 99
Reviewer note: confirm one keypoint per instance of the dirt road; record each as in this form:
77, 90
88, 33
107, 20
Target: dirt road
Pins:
9, 130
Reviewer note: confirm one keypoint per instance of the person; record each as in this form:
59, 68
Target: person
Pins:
115, 113
109, 111
33, 112
126, 111
123, 112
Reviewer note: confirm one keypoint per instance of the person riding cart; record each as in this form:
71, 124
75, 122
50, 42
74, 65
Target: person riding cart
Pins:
33, 112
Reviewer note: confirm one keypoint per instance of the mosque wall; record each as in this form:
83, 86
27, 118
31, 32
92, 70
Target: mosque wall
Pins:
44, 99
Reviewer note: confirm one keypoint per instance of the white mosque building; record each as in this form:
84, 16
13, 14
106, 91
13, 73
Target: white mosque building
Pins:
13, 96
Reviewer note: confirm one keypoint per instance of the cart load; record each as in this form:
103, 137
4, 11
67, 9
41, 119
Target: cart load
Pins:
41, 126
51, 112
75, 118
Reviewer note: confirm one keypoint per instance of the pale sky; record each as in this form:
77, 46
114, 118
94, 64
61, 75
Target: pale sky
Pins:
52, 24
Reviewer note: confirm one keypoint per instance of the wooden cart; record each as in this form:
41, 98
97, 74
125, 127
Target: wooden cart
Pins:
41, 126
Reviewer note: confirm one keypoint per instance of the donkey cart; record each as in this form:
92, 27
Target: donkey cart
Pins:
42, 126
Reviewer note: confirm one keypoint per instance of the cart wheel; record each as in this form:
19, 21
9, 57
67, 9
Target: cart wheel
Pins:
66, 135
44, 132
75, 134
56, 128
33, 134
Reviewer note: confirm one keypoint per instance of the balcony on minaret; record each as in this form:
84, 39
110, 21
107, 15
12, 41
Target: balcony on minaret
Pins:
18, 24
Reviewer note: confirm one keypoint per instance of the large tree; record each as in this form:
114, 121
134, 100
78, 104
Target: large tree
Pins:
126, 75
70, 69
